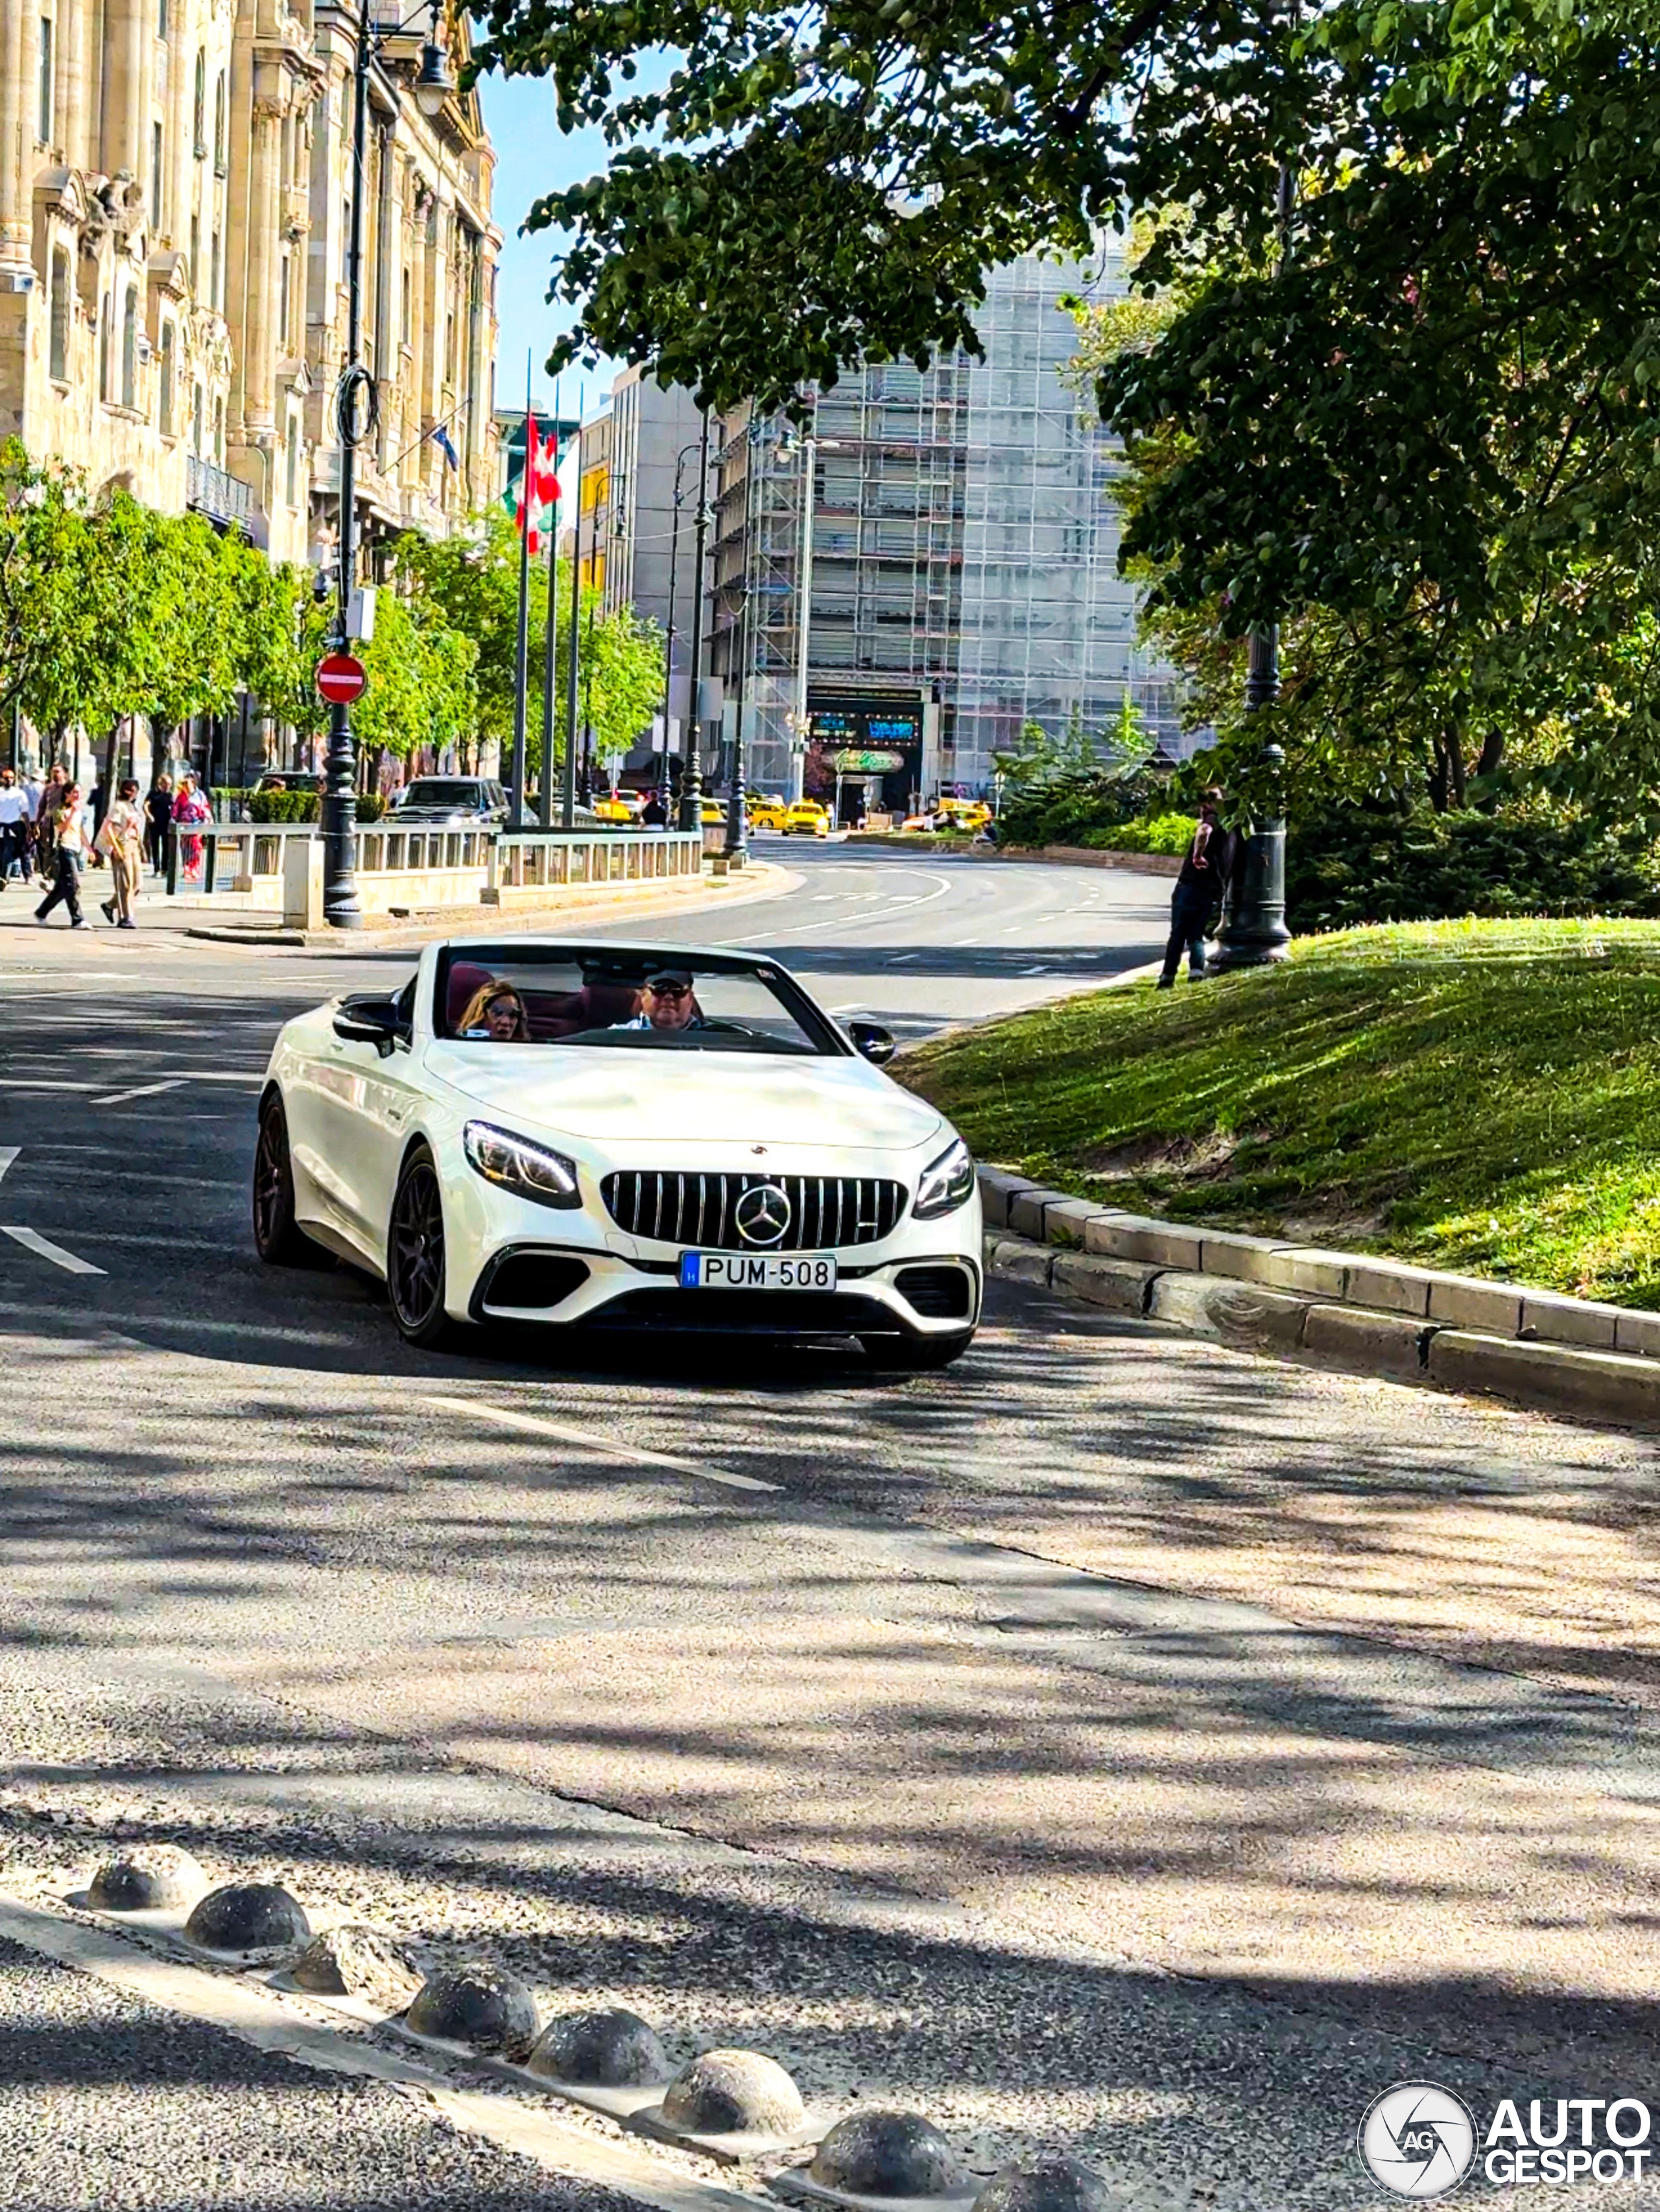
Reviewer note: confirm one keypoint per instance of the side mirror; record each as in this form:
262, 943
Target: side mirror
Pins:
872, 1043
369, 1021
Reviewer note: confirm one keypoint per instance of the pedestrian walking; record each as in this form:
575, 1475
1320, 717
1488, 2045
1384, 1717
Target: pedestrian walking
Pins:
1200, 889
121, 837
158, 813
189, 810
46, 825
70, 845
14, 825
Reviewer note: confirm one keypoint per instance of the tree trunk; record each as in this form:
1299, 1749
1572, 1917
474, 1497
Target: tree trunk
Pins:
1456, 771
1493, 752
1437, 776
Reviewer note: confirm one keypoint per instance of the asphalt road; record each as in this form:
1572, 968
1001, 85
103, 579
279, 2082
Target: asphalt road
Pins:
1115, 1741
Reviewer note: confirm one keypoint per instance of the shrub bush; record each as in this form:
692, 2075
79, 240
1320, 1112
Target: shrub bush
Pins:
1362, 864
1158, 833
1064, 809
283, 806
371, 806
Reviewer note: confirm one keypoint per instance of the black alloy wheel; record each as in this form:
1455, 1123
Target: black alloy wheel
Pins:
414, 1252
916, 1355
278, 1236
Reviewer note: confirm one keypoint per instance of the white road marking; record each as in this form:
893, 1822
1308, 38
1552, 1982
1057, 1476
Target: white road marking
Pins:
141, 1090
8, 1154
595, 1441
31, 1241
39, 1083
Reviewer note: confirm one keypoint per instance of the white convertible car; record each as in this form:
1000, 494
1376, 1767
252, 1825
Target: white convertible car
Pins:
624, 1136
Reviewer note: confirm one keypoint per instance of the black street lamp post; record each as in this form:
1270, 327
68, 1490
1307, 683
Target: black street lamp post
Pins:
1254, 932
738, 825
691, 780
355, 409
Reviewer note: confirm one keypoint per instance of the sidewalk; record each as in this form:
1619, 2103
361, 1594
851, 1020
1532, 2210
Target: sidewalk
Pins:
196, 917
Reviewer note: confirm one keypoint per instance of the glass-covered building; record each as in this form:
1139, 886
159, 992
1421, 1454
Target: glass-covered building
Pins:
964, 562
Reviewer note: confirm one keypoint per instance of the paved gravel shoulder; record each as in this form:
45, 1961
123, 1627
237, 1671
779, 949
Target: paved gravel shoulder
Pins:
106, 2100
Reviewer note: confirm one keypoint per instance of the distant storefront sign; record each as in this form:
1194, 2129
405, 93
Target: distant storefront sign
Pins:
866, 735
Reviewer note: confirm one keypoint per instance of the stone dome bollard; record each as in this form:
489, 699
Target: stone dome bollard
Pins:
609, 2049
248, 1915
733, 2093
358, 1962
884, 2154
149, 1878
1046, 2185
481, 2005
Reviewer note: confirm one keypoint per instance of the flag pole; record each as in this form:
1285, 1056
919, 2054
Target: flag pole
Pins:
522, 671
551, 642
575, 607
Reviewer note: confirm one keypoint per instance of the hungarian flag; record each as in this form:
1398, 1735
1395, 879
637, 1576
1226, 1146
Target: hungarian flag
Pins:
538, 485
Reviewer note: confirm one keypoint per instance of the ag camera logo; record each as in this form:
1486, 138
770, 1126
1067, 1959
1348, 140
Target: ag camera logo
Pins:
1417, 2140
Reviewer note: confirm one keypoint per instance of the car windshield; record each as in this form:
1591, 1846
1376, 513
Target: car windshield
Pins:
496, 995
443, 791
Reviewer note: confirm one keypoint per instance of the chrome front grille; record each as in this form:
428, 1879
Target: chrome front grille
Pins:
827, 1213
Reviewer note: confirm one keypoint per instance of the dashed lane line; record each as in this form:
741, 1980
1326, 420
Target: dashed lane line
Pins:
33, 1241
141, 1090
595, 1441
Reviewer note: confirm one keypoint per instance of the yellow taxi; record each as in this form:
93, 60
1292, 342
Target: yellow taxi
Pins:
970, 814
806, 818
767, 813
714, 816
613, 807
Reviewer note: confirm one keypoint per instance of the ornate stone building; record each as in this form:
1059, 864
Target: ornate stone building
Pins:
176, 183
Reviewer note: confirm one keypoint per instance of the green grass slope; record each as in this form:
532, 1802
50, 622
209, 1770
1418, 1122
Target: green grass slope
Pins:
1483, 1096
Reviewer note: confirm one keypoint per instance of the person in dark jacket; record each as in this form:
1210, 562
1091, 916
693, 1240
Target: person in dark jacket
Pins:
158, 816
1199, 891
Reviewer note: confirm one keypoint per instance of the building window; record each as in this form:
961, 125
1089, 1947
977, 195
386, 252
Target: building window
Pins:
219, 125
196, 421
161, 19
199, 106
293, 461
103, 347
129, 348
45, 117
405, 325
219, 432
283, 306
167, 380
156, 176
214, 296
196, 254
58, 356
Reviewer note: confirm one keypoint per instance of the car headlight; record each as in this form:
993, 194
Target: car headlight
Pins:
528, 1170
946, 1184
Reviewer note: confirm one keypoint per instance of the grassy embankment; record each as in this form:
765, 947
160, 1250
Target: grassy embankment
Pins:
1483, 1096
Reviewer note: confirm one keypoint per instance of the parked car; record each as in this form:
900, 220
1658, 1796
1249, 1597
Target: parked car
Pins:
620, 808
808, 818
767, 813
469, 801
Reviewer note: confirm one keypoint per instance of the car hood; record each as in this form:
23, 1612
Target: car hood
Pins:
628, 1097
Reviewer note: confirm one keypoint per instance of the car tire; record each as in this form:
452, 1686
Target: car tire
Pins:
414, 1252
916, 1355
278, 1236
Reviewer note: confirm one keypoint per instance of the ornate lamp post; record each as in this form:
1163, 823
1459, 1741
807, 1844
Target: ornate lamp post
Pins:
356, 410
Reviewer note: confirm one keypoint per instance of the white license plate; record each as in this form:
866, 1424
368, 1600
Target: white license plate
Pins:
755, 1271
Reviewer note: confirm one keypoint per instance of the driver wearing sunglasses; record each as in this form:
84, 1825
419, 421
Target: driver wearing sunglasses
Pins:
669, 1003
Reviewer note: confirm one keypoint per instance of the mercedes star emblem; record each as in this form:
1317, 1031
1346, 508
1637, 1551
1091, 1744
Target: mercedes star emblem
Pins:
762, 1214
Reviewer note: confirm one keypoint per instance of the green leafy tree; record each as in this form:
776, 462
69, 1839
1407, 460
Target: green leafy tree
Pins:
40, 528
623, 680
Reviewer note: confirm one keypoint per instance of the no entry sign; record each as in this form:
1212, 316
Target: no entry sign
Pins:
340, 678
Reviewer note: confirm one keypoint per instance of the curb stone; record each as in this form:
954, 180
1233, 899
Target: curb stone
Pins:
1591, 1362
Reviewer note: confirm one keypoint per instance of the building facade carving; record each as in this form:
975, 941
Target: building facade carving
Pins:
176, 183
